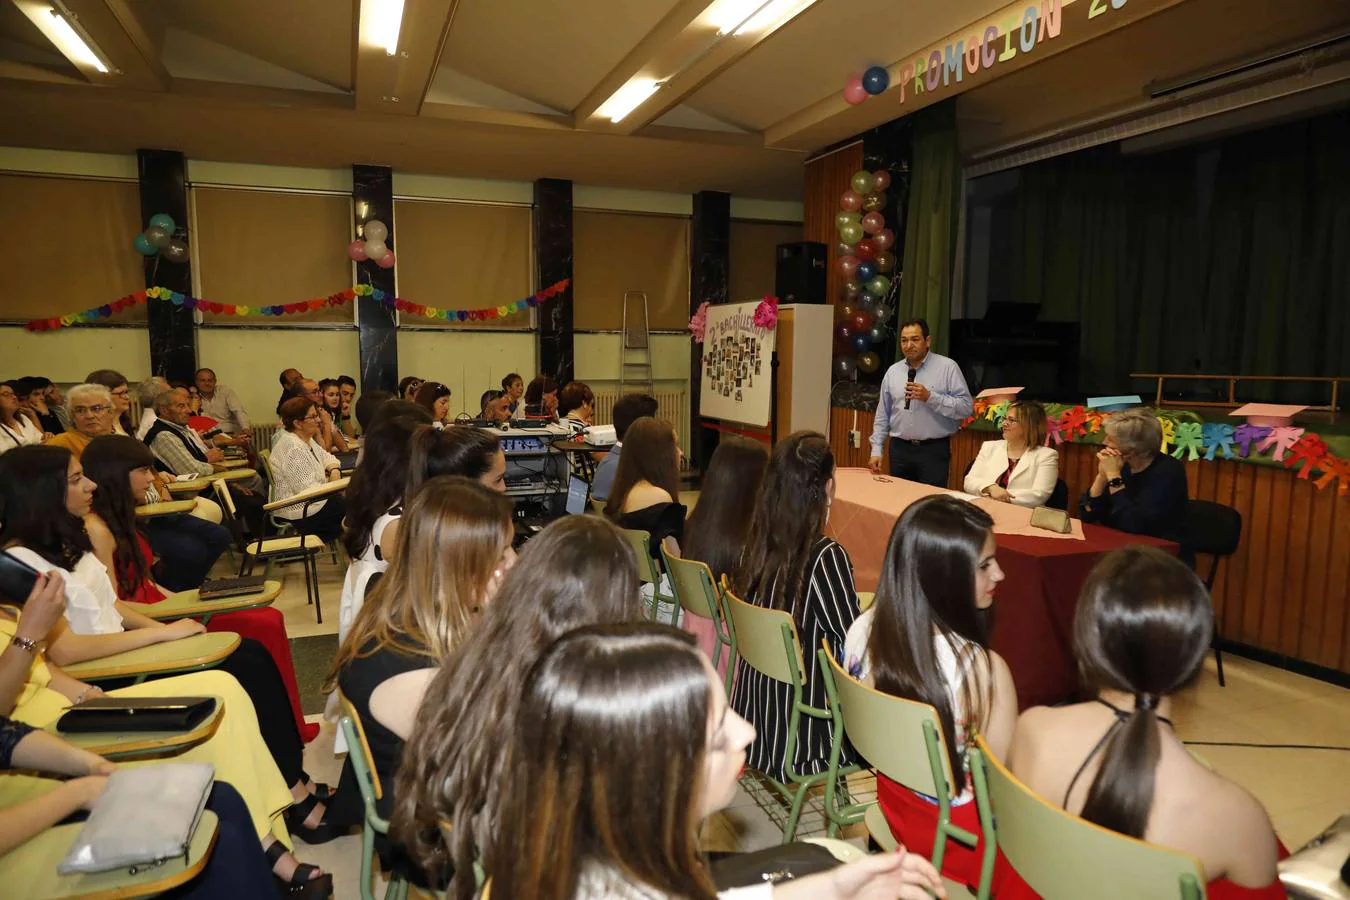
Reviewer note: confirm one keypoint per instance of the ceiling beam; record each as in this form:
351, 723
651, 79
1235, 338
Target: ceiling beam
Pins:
116, 33
398, 84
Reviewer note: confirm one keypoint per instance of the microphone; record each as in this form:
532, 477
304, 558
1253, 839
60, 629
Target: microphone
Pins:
909, 380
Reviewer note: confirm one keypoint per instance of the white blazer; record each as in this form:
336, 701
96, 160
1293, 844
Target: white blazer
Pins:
1031, 483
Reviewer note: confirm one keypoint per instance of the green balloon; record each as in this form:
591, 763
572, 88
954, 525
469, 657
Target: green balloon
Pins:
165, 221
881, 286
847, 218
850, 233
863, 182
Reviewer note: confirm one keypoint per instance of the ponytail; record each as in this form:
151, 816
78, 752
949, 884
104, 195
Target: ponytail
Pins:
1122, 793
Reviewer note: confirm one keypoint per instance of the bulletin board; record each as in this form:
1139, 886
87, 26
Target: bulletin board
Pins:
737, 377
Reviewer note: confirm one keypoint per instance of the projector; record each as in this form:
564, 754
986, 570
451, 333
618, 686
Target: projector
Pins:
601, 435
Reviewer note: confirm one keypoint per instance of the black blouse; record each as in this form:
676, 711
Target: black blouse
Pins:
11, 732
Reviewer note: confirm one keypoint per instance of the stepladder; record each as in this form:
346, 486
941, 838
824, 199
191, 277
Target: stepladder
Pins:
635, 352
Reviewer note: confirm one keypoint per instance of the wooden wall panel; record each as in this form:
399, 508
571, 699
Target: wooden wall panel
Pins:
826, 179
1286, 590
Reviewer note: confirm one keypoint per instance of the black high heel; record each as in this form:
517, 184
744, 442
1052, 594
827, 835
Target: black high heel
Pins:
317, 834
300, 883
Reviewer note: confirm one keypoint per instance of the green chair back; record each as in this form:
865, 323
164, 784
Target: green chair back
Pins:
766, 640
1063, 857
265, 457
363, 765
903, 740
641, 542
696, 591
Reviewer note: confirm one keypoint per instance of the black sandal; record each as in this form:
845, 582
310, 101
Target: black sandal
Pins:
322, 791
318, 834
301, 884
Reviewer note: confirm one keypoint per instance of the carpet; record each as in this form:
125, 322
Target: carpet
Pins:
312, 657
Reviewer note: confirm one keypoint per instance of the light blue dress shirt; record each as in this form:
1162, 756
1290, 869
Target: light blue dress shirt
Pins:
938, 417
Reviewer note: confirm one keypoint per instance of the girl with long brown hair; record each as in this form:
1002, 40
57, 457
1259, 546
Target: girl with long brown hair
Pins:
623, 744
1141, 633
454, 545
646, 490
577, 571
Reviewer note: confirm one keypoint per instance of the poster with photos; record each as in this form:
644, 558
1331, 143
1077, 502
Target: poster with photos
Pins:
737, 371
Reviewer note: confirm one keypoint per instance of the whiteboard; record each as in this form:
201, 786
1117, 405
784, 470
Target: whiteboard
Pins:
737, 376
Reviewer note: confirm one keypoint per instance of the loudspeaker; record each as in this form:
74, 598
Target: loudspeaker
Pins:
800, 273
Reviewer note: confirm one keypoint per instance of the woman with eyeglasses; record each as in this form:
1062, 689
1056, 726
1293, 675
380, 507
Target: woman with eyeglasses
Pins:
16, 429
1017, 469
300, 464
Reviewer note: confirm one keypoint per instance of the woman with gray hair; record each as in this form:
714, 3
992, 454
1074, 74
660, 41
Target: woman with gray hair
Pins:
1137, 488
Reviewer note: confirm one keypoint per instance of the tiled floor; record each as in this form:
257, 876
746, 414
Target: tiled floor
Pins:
1304, 790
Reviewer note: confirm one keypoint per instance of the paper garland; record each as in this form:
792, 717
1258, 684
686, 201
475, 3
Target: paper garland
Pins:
389, 301
1190, 439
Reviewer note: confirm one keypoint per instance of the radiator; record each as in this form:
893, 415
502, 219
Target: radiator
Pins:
261, 435
672, 405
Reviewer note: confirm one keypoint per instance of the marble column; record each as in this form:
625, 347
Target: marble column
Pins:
553, 262
709, 274
173, 338
373, 198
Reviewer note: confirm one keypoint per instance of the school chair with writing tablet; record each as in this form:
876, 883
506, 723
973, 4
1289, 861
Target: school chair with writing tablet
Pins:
696, 591
363, 765
1063, 857
650, 573
302, 548
903, 741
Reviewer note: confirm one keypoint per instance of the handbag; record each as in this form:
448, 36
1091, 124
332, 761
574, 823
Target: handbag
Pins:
136, 714
774, 864
146, 816
1056, 520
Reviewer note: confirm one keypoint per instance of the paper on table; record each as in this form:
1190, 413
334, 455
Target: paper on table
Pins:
999, 392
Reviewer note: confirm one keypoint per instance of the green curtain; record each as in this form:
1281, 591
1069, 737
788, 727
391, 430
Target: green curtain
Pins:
930, 224
1223, 258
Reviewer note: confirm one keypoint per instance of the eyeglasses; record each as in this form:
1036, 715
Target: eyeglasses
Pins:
313, 417
90, 410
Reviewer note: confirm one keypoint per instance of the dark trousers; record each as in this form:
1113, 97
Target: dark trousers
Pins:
925, 462
326, 524
187, 547
236, 866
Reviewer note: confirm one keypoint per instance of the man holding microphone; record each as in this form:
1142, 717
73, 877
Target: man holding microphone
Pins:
924, 397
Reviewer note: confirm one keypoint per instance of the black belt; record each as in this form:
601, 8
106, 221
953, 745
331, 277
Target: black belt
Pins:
919, 442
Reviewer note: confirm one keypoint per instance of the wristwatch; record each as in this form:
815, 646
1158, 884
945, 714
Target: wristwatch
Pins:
28, 644
1116, 482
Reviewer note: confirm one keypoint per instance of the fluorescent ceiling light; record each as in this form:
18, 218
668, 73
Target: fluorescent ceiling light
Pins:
386, 20
69, 41
741, 16
628, 98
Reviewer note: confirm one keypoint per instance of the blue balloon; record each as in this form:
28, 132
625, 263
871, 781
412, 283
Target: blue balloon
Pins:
165, 221
876, 79
866, 271
143, 246
860, 342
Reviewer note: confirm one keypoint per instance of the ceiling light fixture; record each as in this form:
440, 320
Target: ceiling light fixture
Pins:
385, 23
78, 48
737, 17
628, 98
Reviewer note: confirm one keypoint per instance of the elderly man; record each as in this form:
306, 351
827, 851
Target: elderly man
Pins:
91, 416
146, 392
220, 402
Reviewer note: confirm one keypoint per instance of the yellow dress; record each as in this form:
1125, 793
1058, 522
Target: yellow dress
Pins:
236, 749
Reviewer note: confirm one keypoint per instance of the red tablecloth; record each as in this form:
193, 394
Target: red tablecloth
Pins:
1034, 606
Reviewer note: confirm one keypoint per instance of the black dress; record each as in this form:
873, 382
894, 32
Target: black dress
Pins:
661, 520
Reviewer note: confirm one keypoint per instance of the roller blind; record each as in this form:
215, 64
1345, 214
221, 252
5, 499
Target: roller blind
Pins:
753, 257
618, 252
76, 252
463, 256
259, 248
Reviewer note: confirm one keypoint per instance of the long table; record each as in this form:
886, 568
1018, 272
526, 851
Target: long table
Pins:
1034, 606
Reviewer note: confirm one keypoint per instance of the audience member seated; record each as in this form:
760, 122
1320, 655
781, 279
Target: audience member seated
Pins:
459, 450
299, 464
576, 407
221, 403
495, 406
577, 571
347, 394
626, 731
455, 548
541, 398
408, 387
330, 401
120, 391
1017, 469
647, 485
329, 437
434, 397
290, 378
366, 405
789, 564
146, 392
715, 531
16, 429
91, 408
121, 468
46, 402
1141, 632
926, 639
627, 410
34, 691
513, 386
1137, 488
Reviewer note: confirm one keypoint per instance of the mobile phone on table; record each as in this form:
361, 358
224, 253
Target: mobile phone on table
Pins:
16, 579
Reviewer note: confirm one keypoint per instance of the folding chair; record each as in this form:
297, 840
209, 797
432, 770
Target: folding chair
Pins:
302, 548
363, 764
697, 593
649, 573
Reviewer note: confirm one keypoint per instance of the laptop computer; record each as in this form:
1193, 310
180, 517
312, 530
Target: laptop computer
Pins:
578, 494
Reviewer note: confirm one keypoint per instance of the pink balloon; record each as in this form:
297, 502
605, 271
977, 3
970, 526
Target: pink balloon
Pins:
854, 92
386, 261
873, 223
881, 180
884, 239
851, 200
848, 265
356, 251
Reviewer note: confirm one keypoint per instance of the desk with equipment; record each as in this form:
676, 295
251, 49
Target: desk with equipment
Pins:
536, 472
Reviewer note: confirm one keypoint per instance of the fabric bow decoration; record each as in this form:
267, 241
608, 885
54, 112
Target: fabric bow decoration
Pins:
1216, 437
1094, 421
766, 314
1282, 439
1334, 469
1189, 440
1169, 433
1053, 431
698, 324
1073, 422
1249, 435
1309, 449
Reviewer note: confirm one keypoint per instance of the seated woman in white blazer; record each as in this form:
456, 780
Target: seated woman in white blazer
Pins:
1017, 469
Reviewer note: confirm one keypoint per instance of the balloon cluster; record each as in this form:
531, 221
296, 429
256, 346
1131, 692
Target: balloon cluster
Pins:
158, 237
859, 87
373, 246
866, 257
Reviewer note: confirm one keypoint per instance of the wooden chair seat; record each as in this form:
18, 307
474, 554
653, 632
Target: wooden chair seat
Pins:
315, 493
190, 654
166, 508
294, 543
187, 605
134, 744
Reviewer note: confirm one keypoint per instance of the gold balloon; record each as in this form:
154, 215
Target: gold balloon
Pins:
884, 261
874, 202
